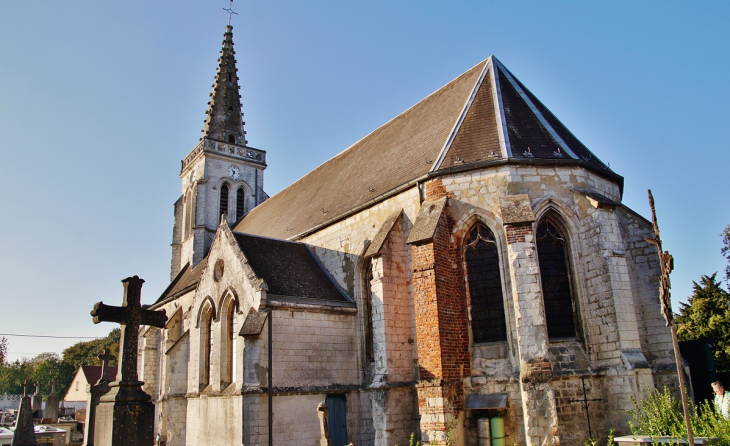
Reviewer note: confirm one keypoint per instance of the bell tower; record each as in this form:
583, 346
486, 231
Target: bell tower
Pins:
222, 175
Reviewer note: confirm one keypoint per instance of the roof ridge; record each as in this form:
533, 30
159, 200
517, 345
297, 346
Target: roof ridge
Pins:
538, 114
349, 148
462, 115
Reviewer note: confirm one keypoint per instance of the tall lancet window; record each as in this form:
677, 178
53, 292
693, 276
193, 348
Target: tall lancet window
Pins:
240, 202
224, 199
187, 231
555, 277
190, 213
206, 334
485, 286
230, 336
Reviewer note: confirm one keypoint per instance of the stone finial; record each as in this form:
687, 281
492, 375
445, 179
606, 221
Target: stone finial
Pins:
324, 428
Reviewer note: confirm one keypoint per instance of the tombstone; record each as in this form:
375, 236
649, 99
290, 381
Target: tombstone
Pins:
96, 391
37, 402
52, 403
324, 428
24, 434
125, 415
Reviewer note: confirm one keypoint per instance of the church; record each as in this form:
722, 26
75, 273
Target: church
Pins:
467, 265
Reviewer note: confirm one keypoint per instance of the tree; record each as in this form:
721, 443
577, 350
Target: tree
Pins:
726, 250
707, 315
3, 350
47, 366
87, 352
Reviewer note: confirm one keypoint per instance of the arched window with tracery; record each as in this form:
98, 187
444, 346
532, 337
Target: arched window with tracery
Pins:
484, 278
552, 254
224, 199
240, 203
367, 309
206, 334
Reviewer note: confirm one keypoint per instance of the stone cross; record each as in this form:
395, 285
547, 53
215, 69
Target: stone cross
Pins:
37, 401
130, 315
25, 384
105, 356
52, 404
125, 415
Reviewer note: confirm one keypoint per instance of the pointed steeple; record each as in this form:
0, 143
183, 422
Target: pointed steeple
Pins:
224, 122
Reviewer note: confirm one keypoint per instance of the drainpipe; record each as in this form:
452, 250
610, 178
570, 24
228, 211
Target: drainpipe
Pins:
271, 373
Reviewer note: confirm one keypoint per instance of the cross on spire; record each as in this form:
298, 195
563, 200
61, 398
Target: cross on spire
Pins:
230, 11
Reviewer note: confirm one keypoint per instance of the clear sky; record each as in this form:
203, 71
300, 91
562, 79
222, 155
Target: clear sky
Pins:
99, 102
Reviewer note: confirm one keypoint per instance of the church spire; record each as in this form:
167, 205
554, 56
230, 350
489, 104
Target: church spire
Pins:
224, 122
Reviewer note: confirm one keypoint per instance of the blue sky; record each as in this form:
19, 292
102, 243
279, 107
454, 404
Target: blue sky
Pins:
99, 102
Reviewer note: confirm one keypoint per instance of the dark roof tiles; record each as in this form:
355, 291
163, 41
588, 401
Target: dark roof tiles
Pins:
288, 268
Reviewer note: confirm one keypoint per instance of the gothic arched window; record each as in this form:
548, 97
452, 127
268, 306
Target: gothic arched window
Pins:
552, 253
224, 199
206, 334
240, 202
485, 286
230, 337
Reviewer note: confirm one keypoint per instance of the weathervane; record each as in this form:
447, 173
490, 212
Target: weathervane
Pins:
230, 11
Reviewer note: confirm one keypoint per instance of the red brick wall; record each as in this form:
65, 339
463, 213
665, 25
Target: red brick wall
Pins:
516, 234
441, 310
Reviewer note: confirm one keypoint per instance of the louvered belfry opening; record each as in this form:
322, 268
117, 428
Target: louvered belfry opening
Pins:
485, 286
224, 199
240, 203
557, 293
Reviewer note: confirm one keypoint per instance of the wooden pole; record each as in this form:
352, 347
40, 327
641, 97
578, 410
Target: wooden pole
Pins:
666, 262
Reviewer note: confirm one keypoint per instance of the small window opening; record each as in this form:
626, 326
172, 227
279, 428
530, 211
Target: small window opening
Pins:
229, 77
231, 139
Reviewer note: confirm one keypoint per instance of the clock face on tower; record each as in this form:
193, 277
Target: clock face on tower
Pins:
234, 172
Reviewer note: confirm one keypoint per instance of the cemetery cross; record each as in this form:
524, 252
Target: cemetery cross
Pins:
131, 315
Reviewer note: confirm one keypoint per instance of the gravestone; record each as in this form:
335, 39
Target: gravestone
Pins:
125, 415
36, 404
52, 403
24, 434
96, 391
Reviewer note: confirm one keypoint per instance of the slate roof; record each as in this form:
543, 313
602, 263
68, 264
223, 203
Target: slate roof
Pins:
186, 280
289, 269
484, 116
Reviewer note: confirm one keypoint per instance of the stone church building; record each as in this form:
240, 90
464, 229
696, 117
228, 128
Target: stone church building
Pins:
468, 260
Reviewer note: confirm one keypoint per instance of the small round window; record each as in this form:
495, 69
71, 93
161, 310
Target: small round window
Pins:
218, 270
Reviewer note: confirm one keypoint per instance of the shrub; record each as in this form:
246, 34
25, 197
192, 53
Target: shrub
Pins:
660, 414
